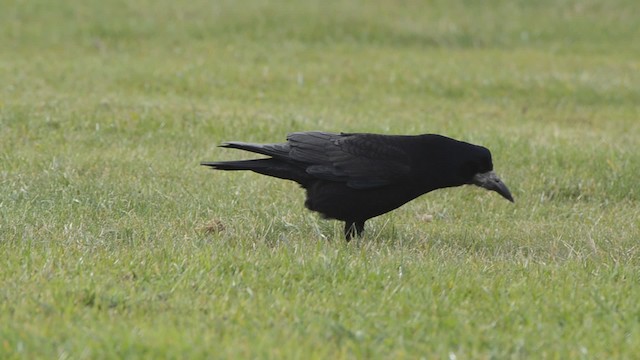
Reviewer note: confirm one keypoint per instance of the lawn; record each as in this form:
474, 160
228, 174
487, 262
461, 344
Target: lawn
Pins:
115, 243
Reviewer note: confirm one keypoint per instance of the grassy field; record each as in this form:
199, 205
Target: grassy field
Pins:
116, 244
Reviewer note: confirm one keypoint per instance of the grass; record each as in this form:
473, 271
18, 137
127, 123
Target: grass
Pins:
116, 244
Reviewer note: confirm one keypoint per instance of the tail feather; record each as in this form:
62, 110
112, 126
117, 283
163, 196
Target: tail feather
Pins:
238, 165
269, 167
280, 151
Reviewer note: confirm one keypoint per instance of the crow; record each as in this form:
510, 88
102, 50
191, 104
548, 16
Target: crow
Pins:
354, 177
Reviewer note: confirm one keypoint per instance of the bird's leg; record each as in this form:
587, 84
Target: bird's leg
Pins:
353, 228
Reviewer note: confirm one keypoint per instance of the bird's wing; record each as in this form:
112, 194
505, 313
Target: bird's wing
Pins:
363, 161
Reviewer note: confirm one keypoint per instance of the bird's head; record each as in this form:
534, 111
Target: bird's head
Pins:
478, 170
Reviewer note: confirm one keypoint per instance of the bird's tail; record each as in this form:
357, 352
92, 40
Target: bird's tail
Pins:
269, 167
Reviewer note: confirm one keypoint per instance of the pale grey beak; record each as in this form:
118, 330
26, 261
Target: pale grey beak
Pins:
491, 181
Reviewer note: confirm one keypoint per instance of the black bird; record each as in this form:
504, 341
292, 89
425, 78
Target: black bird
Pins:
355, 177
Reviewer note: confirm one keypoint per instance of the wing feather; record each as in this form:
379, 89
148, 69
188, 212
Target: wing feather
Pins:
363, 161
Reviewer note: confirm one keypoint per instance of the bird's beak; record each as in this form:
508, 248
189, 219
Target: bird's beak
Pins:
491, 181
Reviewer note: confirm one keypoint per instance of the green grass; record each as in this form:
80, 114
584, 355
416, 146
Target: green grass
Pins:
116, 244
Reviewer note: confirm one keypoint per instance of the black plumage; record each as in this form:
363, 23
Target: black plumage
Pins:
354, 177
